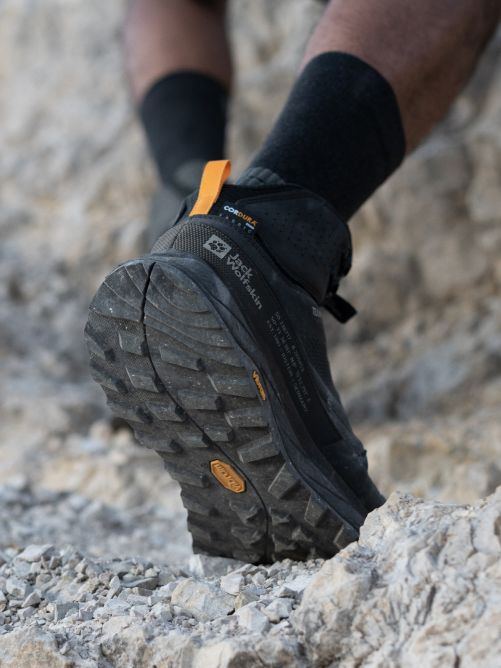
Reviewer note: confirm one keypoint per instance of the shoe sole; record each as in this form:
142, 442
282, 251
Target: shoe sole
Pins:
171, 368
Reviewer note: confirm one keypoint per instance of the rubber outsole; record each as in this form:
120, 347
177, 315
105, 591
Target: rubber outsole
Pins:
170, 367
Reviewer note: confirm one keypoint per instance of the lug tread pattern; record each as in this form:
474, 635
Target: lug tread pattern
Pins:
170, 368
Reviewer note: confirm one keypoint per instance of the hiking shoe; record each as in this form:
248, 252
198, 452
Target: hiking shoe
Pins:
212, 348
167, 200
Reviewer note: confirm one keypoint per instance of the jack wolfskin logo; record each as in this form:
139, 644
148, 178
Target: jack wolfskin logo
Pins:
217, 246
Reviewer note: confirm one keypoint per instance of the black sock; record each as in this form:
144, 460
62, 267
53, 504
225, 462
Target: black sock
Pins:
340, 133
184, 117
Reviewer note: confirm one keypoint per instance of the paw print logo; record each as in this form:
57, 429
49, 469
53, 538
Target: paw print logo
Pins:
217, 246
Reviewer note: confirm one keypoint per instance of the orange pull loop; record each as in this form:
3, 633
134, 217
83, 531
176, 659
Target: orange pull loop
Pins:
215, 174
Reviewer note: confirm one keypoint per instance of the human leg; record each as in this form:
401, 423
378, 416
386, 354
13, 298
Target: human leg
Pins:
179, 68
375, 79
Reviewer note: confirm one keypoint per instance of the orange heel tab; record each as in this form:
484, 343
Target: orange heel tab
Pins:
215, 174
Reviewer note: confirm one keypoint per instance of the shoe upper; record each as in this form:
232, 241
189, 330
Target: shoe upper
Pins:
304, 251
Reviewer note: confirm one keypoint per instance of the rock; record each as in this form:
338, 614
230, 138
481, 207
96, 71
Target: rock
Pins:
279, 609
32, 599
142, 583
17, 588
21, 649
162, 612
115, 586
421, 587
200, 565
232, 583
244, 597
252, 619
299, 584
205, 602
61, 610
35, 552
139, 611
26, 613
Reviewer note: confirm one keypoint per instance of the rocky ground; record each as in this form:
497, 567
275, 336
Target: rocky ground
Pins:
95, 563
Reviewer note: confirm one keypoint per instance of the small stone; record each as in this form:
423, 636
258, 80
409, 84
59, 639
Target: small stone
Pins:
140, 591
32, 599
36, 568
132, 599
62, 610
139, 611
252, 619
203, 566
245, 597
21, 568
104, 578
232, 583
299, 584
3, 601
81, 567
285, 592
35, 552
205, 602
117, 606
43, 579
115, 586
54, 562
86, 611
162, 612
26, 613
121, 568
144, 583
259, 578
90, 586
18, 588
116, 625
166, 590
64, 649
279, 609
164, 578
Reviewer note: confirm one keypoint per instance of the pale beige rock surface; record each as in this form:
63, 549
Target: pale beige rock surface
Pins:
421, 588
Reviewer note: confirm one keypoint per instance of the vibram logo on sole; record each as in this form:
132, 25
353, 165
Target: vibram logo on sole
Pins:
260, 388
227, 476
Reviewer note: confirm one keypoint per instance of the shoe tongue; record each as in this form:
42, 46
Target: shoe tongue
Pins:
299, 229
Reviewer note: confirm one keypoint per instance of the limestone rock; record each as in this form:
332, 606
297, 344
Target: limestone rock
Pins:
203, 601
21, 650
251, 618
232, 583
35, 552
421, 588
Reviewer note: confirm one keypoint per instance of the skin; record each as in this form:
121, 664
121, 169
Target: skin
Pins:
164, 36
427, 50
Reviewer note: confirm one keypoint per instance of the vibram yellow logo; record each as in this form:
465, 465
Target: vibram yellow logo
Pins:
260, 388
227, 476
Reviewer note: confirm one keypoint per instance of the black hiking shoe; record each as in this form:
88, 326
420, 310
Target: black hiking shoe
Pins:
167, 200
213, 349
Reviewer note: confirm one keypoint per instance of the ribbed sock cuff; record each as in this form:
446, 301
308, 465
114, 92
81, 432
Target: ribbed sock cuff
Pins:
340, 133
